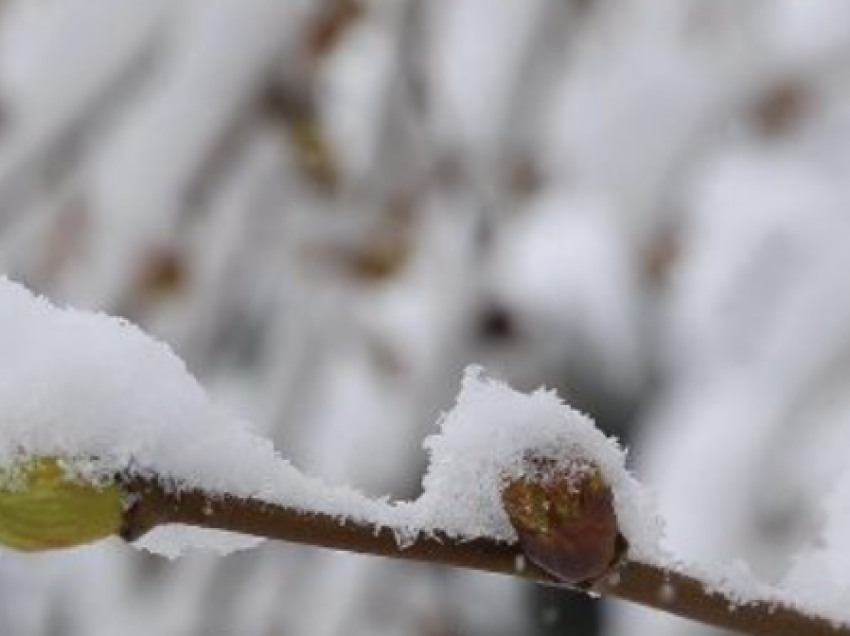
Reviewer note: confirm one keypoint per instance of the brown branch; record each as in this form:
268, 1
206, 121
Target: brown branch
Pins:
642, 583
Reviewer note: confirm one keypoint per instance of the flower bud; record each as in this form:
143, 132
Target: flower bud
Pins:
565, 520
43, 507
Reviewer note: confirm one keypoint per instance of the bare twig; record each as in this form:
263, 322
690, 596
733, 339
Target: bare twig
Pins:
646, 584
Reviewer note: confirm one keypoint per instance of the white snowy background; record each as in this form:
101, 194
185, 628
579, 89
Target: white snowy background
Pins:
328, 208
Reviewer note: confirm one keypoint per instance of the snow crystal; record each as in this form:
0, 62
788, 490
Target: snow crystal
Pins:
98, 392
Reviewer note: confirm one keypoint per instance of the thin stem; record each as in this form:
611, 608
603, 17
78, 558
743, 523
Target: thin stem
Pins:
646, 584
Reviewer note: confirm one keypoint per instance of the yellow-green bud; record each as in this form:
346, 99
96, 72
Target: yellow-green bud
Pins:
44, 507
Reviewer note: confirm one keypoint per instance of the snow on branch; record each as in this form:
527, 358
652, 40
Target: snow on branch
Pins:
104, 432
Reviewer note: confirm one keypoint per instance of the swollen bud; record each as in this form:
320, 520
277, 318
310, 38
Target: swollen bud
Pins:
565, 520
43, 507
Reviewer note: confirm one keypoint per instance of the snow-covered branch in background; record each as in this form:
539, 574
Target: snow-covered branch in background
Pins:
104, 432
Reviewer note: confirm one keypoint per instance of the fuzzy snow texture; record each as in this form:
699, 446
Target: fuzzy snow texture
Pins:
99, 392
484, 440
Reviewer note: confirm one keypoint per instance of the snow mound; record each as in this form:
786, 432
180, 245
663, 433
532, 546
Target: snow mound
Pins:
97, 391
484, 440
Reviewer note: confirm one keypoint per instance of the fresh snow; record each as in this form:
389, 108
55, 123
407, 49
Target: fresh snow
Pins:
99, 392
482, 442
96, 390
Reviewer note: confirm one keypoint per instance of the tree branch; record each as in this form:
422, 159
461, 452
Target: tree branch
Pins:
646, 584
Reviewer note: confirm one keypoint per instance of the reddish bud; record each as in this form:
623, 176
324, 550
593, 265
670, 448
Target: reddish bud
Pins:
565, 520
